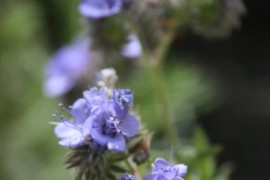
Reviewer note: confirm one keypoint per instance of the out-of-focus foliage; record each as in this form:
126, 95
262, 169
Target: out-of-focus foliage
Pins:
28, 150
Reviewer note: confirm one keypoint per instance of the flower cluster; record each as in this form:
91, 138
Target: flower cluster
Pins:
161, 169
100, 119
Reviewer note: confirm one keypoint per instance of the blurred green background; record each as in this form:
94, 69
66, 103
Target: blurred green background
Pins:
221, 85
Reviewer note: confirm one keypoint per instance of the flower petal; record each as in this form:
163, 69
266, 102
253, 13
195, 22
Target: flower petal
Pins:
66, 67
64, 130
99, 8
97, 135
72, 141
133, 48
124, 97
87, 126
160, 164
95, 97
93, 127
129, 125
170, 174
181, 169
151, 176
80, 111
70, 135
116, 143
58, 85
177, 178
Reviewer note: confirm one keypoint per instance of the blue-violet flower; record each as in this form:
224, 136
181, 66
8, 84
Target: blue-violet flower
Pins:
124, 97
109, 125
66, 67
133, 48
127, 176
70, 132
162, 170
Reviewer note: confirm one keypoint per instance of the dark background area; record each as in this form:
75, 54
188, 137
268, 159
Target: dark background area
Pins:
240, 64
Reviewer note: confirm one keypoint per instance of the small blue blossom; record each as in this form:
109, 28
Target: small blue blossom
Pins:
133, 48
70, 132
124, 97
96, 9
96, 97
161, 169
109, 126
66, 67
128, 176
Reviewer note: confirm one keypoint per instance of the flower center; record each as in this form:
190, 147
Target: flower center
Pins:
110, 126
167, 169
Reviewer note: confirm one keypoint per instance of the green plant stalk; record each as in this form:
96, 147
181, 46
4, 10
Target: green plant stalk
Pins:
165, 42
133, 168
153, 65
165, 108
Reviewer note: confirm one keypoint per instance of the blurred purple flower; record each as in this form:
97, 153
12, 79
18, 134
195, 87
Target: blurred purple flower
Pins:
100, 8
133, 48
70, 132
127, 176
66, 67
109, 126
161, 169
123, 97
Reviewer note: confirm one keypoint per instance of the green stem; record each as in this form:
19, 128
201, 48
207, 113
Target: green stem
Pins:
165, 42
154, 67
153, 60
133, 168
165, 106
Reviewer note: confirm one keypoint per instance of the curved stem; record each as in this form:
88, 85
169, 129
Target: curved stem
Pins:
133, 167
153, 60
154, 67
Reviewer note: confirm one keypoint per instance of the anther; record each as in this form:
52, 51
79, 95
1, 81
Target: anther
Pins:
63, 107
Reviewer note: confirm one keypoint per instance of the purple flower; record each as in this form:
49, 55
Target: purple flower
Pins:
127, 176
109, 125
66, 67
161, 169
124, 97
70, 132
133, 48
100, 8
95, 97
